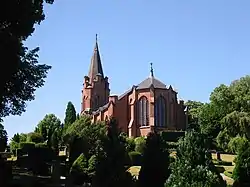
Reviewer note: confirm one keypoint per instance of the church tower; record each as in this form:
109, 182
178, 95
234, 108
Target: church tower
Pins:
95, 92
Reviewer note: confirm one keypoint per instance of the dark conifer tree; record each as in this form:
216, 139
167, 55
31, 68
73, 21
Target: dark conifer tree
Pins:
70, 115
111, 163
155, 162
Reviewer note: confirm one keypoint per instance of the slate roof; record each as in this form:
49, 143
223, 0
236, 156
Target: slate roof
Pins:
102, 108
151, 81
126, 93
95, 65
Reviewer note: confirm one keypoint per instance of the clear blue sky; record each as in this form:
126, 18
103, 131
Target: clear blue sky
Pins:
194, 46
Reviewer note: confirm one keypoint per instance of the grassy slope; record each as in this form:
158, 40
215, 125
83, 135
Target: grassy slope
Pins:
134, 170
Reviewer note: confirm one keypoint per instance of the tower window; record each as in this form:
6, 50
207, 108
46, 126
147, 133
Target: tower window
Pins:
143, 114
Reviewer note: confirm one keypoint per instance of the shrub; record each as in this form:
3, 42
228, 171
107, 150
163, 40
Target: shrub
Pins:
171, 159
41, 145
92, 163
79, 170
172, 136
236, 143
130, 144
222, 140
172, 145
140, 144
135, 158
62, 158
241, 171
13, 147
228, 173
26, 146
155, 162
40, 156
35, 137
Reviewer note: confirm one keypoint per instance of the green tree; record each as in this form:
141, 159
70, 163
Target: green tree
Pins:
70, 115
3, 138
241, 172
55, 140
140, 144
236, 144
227, 111
35, 137
111, 162
77, 116
155, 162
84, 137
48, 126
194, 108
16, 138
23, 137
21, 74
79, 170
193, 165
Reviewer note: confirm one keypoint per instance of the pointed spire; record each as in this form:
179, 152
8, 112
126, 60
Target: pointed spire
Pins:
151, 70
95, 65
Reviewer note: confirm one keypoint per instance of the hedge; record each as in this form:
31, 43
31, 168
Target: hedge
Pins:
172, 136
228, 174
172, 145
222, 163
26, 146
135, 158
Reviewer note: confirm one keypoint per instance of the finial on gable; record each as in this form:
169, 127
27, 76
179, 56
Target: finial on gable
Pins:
151, 70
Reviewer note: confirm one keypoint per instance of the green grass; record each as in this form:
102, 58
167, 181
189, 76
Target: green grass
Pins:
134, 170
227, 159
12, 158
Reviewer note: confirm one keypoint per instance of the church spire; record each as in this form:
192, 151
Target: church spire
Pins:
151, 70
95, 65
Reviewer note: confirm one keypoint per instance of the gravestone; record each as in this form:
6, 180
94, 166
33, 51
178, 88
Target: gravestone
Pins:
55, 171
218, 155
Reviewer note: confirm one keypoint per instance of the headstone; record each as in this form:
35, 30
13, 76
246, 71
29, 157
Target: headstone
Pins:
56, 173
5, 172
218, 155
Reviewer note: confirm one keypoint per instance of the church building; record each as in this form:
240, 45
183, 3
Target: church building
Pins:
145, 107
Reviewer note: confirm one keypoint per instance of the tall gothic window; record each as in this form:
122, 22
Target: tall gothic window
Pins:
160, 112
143, 114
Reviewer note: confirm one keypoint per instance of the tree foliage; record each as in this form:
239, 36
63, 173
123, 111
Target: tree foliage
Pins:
193, 165
155, 162
16, 138
110, 168
228, 113
84, 137
79, 170
194, 108
140, 144
35, 137
241, 172
3, 138
49, 125
21, 74
70, 115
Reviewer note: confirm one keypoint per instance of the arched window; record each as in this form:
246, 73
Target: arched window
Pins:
143, 117
160, 112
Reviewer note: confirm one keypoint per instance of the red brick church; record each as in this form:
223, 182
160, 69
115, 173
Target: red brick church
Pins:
147, 106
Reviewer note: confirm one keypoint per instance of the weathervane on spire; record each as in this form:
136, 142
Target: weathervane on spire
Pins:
151, 69
96, 38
